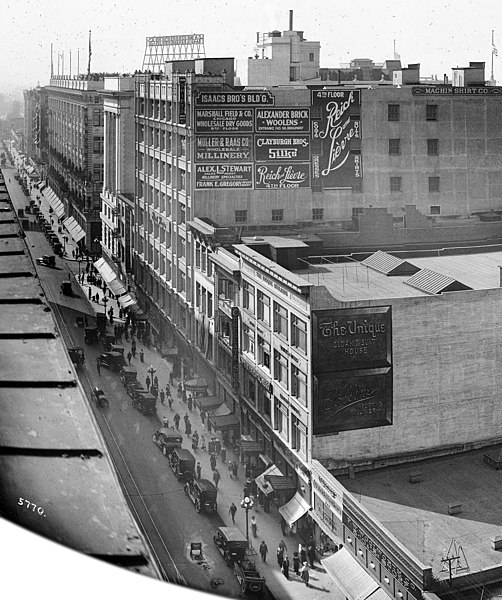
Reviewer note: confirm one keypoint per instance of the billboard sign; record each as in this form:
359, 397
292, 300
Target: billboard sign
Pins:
237, 98
352, 400
338, 131
282, 119
223, 176
448, 90
282, 147
215, 120
217, 148
274, 176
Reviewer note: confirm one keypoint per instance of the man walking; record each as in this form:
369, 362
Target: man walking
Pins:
263, 551
198, 469
98, 366
148, 381
254, 526
216, 478
129, 356
177, 420
142, 355
232, 510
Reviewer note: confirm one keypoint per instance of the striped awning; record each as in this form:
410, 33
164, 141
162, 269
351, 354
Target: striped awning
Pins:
54, 201
74, 229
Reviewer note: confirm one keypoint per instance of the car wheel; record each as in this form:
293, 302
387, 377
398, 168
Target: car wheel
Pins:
197, 506
164, 450
154, 438
186, 489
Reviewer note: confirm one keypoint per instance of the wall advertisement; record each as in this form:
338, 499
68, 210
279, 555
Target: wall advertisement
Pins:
214, 120
223, 176
217, 148
282, 147
448, 90
282, 119
273, 176
352, 357
336, 130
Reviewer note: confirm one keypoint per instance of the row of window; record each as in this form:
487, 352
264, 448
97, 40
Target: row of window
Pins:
395, 147
396, 184
298, 429
277, 215
394, 112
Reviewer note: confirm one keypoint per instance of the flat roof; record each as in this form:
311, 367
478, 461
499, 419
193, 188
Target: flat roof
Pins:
352, 281
417, 513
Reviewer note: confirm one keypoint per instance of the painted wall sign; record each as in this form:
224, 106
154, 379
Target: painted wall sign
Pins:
235, 349
216, 176
209, 148
350, 400
273, 176
282, 147
447, 90
261, 97
182, 117
338, 131
282, 119
216, 120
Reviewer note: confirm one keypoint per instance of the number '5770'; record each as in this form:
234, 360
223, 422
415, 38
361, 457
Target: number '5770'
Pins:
27, 504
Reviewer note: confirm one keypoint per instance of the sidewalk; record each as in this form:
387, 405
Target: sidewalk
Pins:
231, 490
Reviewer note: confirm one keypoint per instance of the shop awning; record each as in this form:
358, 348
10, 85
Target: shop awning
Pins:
251, 447
198, 384
349, 575
208, 403
110, 277
280, 483
74, 229
224, 422
54, 202
262, 482
294, 509
127, 301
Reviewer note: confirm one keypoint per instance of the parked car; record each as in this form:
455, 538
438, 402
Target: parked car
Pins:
182, 463
47, 260
77, 356
203, 494
167, 439
112, 360
91, 335
128, 375
145, 403
99, 397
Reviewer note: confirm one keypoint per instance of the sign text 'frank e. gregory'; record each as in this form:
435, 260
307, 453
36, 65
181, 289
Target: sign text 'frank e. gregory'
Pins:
336, 128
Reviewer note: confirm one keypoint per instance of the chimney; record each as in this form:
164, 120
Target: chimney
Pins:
290, 20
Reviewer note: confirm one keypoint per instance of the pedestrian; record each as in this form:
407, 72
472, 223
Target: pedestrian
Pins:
280, 556
170, 400
133, 350
216, 478
189, 402
98, 366
198, 469
148, 381
303, 554
212, 461
142, 355
89, 291
283, 526
230, 468
311, 554
180, 390
162, 396
304, 574
186, 418
195, 441
223, 455
156, 381
177, 420
97, 298
263, 551
296, 563
232, 510
202, 416
165, 422
171, 378
188, 428
235, 469
254, 526
129, 356
285, 567
203, 442
73, 251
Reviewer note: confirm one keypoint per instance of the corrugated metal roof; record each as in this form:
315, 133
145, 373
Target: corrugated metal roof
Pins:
433, 282
388, 264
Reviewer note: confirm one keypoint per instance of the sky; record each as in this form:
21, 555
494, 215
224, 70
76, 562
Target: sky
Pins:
439, 35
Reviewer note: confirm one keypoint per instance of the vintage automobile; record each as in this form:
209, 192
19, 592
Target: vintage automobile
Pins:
167, 439
203, 494
135, 389
119, 349
112, 360
233, 546
108, 340
47, 260
145, 403
91, 335
77, 356
128, 375
66, 288
99, 397
182, 463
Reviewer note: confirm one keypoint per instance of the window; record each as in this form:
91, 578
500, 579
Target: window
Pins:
277, 214
210, 305
298, 384
298, 435
433, 184
263, 308
317, 214
198, 295
435, 210
197, 255
395, 184
432, 147
431, 112
263, 353
241, 216
311, 57
280, 368
281, 423
394, 147
280, 320
393, 112
298, 333
248, 296
248, 340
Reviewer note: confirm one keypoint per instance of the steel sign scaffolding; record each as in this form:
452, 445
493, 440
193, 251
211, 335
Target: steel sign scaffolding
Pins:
163, 48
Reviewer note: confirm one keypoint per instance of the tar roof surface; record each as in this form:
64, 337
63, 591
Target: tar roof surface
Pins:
417, 513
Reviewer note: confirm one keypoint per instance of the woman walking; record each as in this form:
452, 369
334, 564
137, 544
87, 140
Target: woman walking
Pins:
304, 574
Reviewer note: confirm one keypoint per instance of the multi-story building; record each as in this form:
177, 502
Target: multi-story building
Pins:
75, 171
35, 127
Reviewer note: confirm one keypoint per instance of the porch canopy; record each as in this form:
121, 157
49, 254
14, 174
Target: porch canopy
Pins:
294, 509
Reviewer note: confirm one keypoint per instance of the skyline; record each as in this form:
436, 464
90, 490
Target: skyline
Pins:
436, 36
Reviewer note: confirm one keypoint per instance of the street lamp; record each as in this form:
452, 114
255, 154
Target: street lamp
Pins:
105, 301
247, 504
152, 370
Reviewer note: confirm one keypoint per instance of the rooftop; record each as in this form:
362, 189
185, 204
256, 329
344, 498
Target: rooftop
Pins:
417, 513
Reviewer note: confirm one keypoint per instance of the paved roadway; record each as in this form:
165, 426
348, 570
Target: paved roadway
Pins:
167, 516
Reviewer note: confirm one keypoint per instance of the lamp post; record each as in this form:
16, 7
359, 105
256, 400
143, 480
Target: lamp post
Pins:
79, 259
152, 370
247, 504
105, 302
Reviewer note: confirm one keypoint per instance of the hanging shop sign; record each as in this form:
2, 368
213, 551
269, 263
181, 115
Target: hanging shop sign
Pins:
214, 120
218, 176
282, 119
238, 98
217, 148
337, 131
235, 349
282, 147
273, 176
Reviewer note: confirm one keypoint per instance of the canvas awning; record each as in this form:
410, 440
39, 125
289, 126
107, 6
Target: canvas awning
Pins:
54, 202
127, 301
281, 483
208, 403
350, 576
74, 229
224, 422
110, 277
251, 447
262, 482
294, 509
